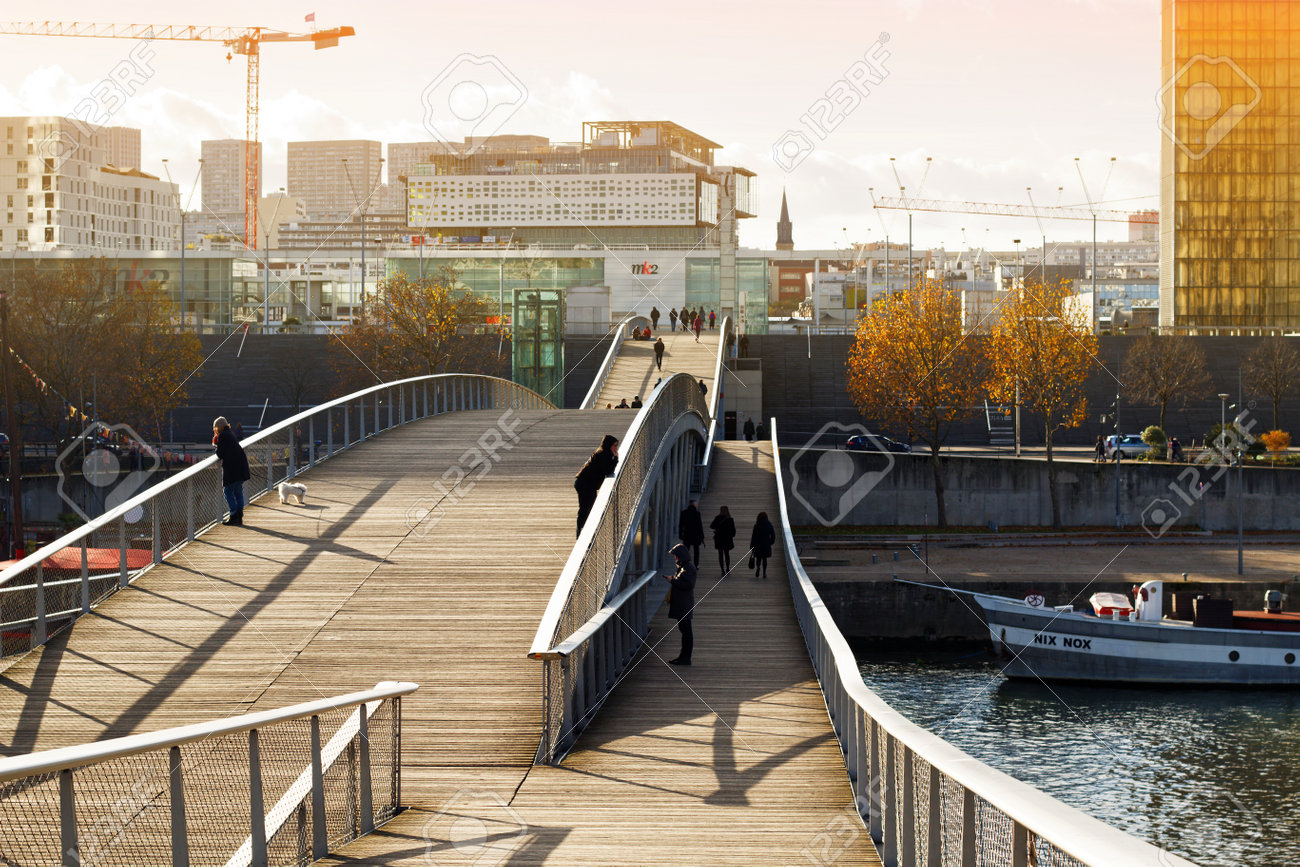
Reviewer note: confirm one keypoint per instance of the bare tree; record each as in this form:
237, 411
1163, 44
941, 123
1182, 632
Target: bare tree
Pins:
1271, 370
1161, 370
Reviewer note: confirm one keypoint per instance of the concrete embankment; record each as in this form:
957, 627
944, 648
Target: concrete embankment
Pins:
870, 607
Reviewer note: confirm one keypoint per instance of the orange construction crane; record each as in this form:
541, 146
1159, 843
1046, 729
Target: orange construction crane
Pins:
239, 40
900, 203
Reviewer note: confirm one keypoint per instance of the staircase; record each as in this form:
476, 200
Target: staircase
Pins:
1001, 424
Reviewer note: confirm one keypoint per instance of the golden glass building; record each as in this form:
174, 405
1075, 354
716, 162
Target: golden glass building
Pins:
1230, 164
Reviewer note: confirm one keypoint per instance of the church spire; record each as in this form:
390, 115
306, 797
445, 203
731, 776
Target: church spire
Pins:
784, 229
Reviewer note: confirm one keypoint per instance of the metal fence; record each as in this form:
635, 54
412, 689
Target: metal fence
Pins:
925, 801
630, 529
65, 579
276, 787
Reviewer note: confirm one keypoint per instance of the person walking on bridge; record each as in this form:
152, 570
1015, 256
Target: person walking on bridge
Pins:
681, 603
672, 319
234, 469
724, 537
697, 325
598, 467
690, 529
761, 541
654, 318
659, 353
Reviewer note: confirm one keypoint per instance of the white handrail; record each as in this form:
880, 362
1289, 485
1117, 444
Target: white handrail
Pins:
545, 636
715, 403
599, 619
69, 758
1072, 831
66, 540
602, 372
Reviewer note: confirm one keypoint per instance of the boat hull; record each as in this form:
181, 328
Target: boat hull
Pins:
1040, 643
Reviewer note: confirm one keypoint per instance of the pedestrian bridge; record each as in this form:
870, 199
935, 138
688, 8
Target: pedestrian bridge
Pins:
419, 665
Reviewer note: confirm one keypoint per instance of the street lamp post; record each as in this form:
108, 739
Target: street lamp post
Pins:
1015, 282
363, 205
266, 265
1119, 461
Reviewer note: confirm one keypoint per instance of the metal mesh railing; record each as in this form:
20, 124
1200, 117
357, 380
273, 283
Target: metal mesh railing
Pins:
278, 787
924, 800
660, 449
68, 577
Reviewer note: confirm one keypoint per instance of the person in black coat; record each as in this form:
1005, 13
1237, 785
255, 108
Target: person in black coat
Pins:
749, 430
724, 537
234, 469
681, 604
761, 541
598, 467
690, 529
654, 318
659, 353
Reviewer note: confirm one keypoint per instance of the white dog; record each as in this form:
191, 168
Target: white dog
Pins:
292, 491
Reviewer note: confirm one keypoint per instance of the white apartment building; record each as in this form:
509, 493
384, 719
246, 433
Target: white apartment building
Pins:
318, 176
223, 177
59, 194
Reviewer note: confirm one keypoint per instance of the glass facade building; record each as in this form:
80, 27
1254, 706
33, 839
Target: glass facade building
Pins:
1230, 164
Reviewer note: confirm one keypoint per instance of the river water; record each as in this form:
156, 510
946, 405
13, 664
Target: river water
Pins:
1213, 775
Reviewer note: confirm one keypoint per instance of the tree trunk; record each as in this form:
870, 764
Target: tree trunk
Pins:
1276, 400
940, 512
1163, 405
1051, 479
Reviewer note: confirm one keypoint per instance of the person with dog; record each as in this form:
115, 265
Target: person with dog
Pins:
724, 537
659, 353
690, 529
681, 602
234, 469
761, 540
598, 467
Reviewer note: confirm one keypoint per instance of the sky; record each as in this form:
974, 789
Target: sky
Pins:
999, 94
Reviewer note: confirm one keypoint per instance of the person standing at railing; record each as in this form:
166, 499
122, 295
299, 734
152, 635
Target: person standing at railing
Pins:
690, 529
724, 537
234, 469
598, 467
659, 353
761, 540
681, 601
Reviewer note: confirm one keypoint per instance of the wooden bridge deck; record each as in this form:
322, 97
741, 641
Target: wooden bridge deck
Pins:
730, 761
634, 372
734, 754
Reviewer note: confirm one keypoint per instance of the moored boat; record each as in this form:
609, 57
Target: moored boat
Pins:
1122, 642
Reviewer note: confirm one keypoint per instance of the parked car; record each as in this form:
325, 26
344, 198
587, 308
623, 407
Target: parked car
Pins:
876, 443
1130, 446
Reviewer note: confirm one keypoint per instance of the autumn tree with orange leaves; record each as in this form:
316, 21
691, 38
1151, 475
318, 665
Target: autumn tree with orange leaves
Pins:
417, 327
912, 367
1043, 349
78, 333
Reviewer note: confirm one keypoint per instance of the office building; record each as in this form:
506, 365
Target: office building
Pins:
120, 144
643, 183
222, 179
336, 178
60, 195
1230, 165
